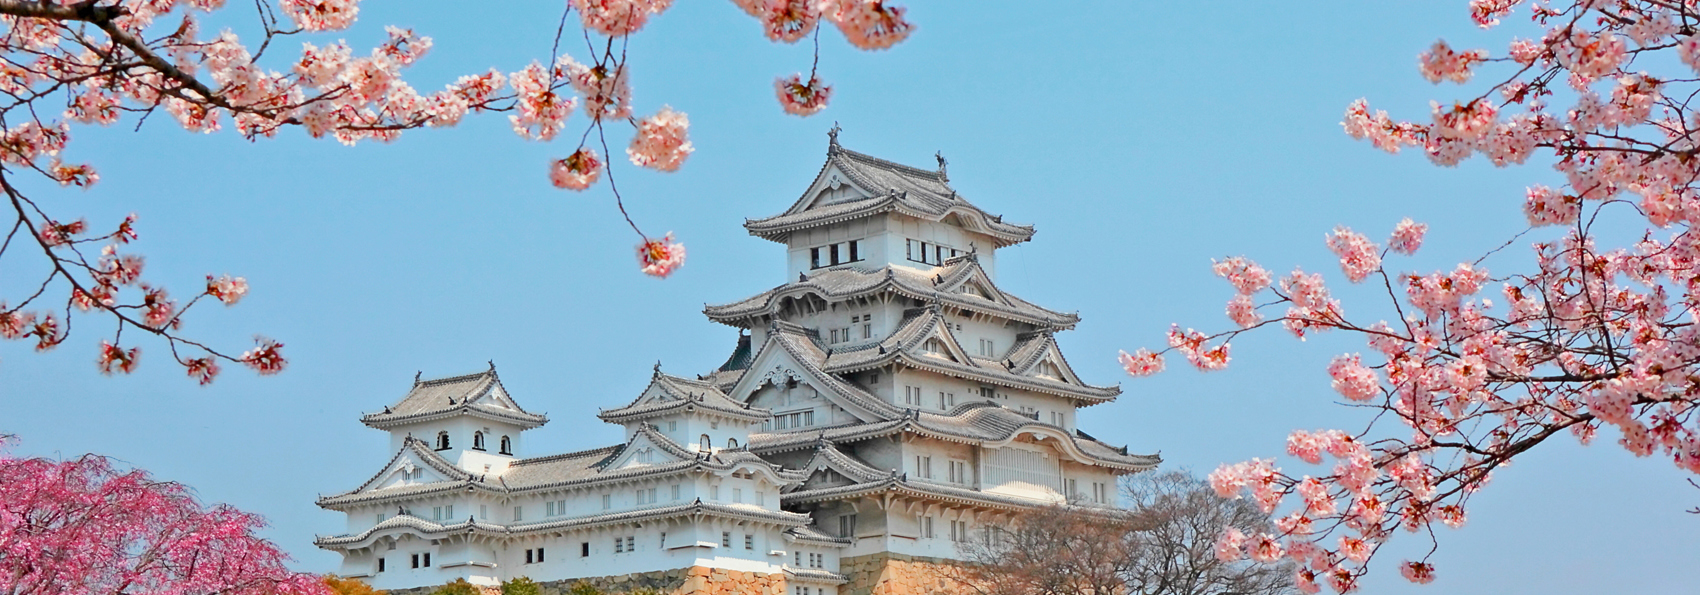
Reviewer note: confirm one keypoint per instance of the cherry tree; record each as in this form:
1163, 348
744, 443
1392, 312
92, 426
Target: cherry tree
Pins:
1479, 367
70, 63
84, 526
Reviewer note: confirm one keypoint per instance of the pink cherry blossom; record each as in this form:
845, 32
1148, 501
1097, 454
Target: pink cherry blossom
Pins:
1358, 256
1342, 581
1305, 580
1306, 446
660, 142
578, 171
203, 369
1243, 311
800, 99
1230, 545
661, 257
869, 24
542, 112
1421, 573
321, 15
1407, 236
1266, 548
1546, 206
618, 17
607, 92
117, 359
227, 289
265, 357
115, 531
1318, 503
1352, 379
1141, 362
1246, 277
1442, 63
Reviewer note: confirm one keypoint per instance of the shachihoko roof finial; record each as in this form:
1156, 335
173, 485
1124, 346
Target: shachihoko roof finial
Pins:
832, 135
416, 375
942, 163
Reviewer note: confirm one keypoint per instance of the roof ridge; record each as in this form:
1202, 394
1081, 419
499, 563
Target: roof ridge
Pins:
892, 164
567, 455
454, 379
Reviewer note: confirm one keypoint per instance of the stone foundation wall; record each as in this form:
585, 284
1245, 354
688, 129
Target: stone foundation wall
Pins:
696, 580
889, 573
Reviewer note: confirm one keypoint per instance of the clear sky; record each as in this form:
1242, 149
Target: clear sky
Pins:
1141, 138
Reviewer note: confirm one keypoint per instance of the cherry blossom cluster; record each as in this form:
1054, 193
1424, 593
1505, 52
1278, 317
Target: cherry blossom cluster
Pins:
96, 63
1478, 369
85, 526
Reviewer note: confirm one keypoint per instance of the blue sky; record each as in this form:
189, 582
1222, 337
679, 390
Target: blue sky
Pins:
1142, 139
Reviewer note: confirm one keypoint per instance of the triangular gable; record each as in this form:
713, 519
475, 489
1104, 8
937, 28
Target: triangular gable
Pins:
647, 448
1048, 363
938, 341
494, 395
412, 465
832, 186
831, 466
971, 280
781, 360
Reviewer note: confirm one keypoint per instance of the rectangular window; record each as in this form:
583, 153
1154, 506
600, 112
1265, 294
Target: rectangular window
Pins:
675, 491
651, 495
958, 472
867, 331
941, 401
761, 498
380, 564
737, 496
834, 253
847, 526
584, 549
814, 258
663, 540
959, 531
539, 554
519, 513
986, 391
725, 539
714, 492
607, 501
631, 543
1073, 490
619, 545
427, 559
797, 559
927, 527
855, 250
909, 249
483, 511
436, 513
672, 426
844, 332
549, 508
528, 559
749, 542
416, 560
380, 517
449, 512
924, 467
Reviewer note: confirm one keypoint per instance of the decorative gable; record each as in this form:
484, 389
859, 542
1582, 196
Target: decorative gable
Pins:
648, 448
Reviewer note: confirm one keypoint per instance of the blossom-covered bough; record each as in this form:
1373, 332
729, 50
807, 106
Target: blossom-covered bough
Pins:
1480, 368
85, 526
65, 63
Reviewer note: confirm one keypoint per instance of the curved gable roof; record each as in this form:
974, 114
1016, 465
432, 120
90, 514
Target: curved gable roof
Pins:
479, 394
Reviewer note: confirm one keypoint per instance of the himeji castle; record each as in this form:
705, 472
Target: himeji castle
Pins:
879, 409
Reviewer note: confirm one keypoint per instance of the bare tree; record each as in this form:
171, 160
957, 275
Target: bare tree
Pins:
1173, 552
1162, 545
1054, 550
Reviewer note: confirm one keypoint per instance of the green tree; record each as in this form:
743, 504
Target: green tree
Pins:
458, 586
521, 586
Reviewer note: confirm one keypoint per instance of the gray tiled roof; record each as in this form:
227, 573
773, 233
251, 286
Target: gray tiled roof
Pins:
904, 346
479, 394
796, 342
938, 284
972, 423
556, 471
815, 575
682, 394
809, 533
893, 187
432, 528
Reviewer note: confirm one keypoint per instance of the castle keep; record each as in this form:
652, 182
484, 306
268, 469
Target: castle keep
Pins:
881, 408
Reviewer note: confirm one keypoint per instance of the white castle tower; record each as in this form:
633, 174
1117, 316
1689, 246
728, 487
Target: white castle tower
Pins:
879, 410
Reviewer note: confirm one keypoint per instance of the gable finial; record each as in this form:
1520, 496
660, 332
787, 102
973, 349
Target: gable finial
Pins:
657, 366
492, 364
416, 375
943, 175
832, 136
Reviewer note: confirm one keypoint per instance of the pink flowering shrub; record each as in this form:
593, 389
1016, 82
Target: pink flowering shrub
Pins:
1481, 367
93, 63
84, 526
